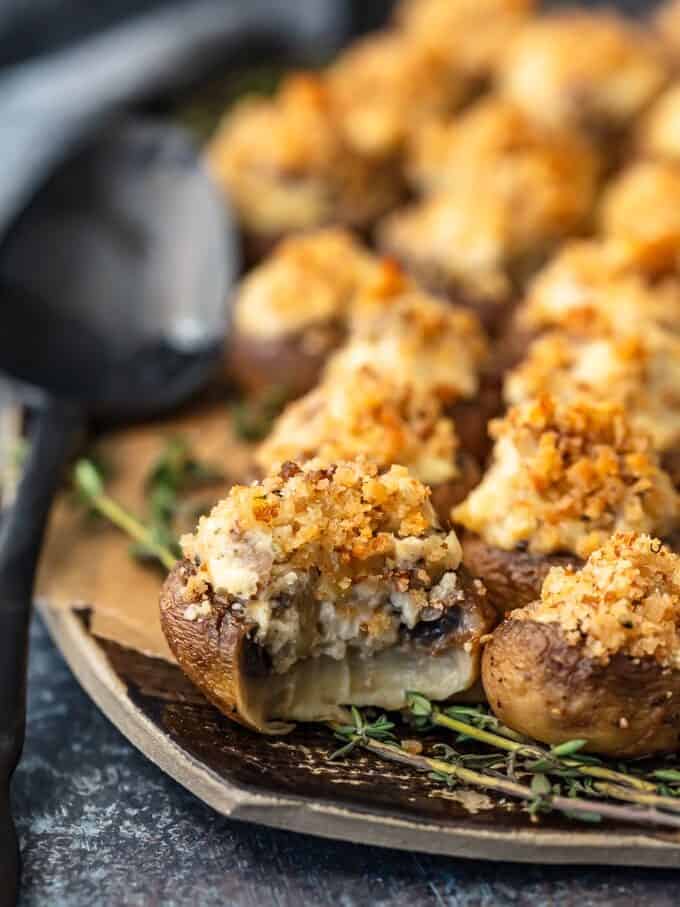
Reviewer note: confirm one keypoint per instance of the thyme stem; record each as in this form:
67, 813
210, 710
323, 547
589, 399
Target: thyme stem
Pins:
128, 523
496, 740
568, 805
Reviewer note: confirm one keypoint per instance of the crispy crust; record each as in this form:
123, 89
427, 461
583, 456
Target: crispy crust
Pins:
513, 579
541, 686
287, 362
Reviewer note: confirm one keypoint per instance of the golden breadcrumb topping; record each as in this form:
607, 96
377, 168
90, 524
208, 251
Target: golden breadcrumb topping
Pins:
366, 415
595, 285
625, 600
639, 372
308, 281
412, 339
592, 69
658, 134
642, 205
565, 477
480, 234
496, 143
386, 85
474, 33
321, 558
287, 166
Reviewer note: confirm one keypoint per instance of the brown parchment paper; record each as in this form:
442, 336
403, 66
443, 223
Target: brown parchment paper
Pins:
86, 561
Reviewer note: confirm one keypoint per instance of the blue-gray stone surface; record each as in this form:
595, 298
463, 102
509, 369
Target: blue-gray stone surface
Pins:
100, 825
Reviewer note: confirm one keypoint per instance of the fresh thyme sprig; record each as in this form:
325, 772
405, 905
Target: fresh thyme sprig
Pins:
563, 760
175, 472
540, 796
361, 730
88, 482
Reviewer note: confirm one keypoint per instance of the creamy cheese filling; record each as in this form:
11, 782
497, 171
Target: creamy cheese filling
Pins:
639, 372
566, 478
363, 414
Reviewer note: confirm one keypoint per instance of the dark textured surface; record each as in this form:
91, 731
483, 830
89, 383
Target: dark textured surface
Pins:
101, 825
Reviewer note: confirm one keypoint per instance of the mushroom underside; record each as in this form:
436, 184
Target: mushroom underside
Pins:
219, 653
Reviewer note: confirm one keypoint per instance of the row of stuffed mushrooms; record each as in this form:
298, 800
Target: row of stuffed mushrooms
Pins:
466, 281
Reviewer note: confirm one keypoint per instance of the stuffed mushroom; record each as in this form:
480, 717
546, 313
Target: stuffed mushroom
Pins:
642, 206
481, 235
563, 478
286, 164
291, 311
319, 588
594, 71
639, 371
597, 655
472, 33
366, 415
418, 341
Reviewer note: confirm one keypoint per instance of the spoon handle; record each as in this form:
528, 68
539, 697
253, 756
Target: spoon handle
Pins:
56, 428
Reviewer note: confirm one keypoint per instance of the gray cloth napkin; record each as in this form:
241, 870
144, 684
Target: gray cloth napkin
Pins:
53, 102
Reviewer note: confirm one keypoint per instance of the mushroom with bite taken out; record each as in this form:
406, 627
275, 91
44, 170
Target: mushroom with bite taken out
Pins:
597, 656
563, 478
319, 588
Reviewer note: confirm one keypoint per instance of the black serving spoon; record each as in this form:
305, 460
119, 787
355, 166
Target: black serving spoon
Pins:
112, 307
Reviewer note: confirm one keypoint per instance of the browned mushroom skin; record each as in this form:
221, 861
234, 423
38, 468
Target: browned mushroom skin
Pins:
541, 686
471, 417
290, 361
447, 495
670, 461
514, 578
218, 654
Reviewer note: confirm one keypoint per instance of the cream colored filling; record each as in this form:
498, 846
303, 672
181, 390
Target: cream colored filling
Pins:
316, 689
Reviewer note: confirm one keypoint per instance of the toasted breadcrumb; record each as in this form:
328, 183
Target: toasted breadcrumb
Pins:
642, 205
386, 85
325, 557
367, 415
308, 281
658, 133
640, 372
591, 69
474, 33
564, 478
594, 286
287, 165
626, 599
496, 143
479, 234
412, 338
